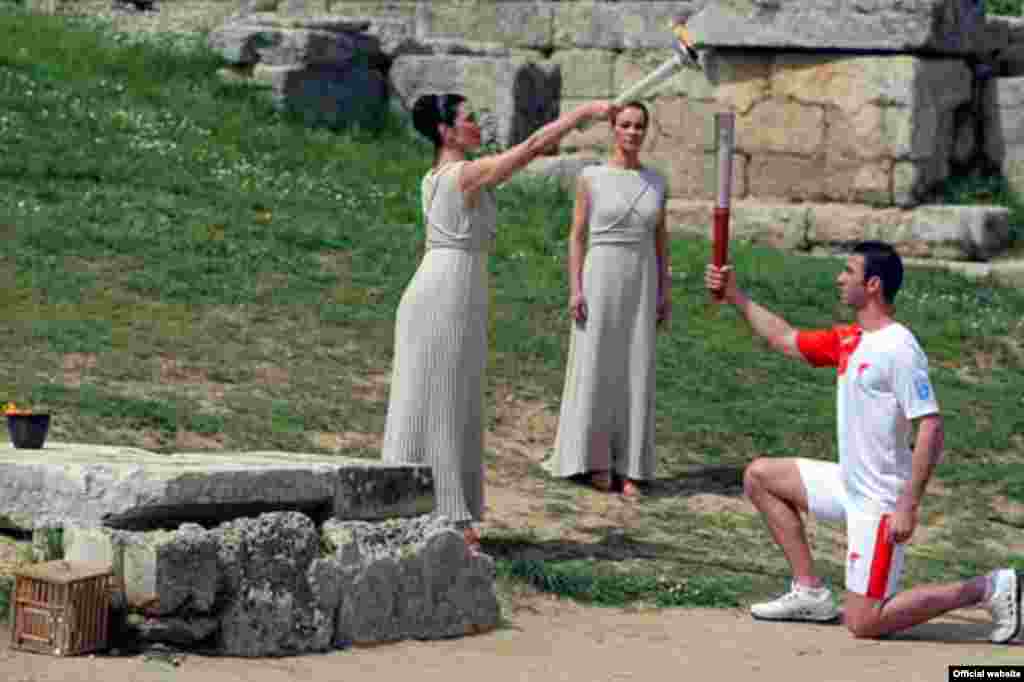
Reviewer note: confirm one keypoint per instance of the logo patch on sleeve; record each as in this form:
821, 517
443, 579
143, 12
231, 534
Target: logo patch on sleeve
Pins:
922, 387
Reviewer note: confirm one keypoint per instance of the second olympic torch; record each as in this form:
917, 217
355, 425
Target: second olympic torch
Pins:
725, 128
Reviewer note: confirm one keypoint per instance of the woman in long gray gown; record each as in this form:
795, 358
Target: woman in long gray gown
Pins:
435, 411
619, 291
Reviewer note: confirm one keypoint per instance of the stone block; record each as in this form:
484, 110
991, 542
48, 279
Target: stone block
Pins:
271, 40
963, 233
389, 9
93, 545
617, 25
335, 96
464, 48
782, 176
259, 6
741, 80
522, 94
180, 632
271, 608
693, 174
528, 23
912, 181
1009, 63
836, 224
680, 125
187, 573
133, 556
276, 585
950, 27
965, 143
586, 74
996, 33
409, 579
1003, 112
844, 81
780, 226
782, 127
933, 231
69, 484
882, 106
301, 8
858, 181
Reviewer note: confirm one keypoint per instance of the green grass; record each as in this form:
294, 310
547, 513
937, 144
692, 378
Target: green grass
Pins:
592, 583
1010, 8
6, 589
212, 267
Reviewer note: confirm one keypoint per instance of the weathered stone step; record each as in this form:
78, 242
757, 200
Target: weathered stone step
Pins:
278, 585
953, 27
961, 233
69, 484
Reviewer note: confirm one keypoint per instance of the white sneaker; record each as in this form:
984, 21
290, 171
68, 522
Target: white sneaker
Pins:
800, 603
1004, 605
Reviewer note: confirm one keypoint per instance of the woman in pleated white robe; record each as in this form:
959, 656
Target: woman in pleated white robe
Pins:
435, 409
619, 292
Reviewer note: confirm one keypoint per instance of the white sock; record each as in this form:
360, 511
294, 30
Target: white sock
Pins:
810, 588
990, 584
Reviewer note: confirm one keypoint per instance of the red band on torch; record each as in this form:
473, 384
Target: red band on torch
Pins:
724, 142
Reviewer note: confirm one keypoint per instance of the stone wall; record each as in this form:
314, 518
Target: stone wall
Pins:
1004, 119
880, 115
836, 104
1004, 41
878, 130
277, 585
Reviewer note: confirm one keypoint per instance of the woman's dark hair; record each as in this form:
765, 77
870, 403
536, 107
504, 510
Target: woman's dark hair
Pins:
634, 104
882, 261
431, 110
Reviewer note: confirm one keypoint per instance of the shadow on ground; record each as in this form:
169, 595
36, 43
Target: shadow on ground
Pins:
716, 480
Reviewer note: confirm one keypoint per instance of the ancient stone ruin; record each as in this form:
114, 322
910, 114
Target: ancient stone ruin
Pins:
850, 118
255, 554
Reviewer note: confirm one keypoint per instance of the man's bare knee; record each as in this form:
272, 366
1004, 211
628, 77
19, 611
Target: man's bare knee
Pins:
753, 477
862, 617
863, 628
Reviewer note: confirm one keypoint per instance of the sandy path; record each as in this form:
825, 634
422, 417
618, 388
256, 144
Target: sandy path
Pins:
562, 641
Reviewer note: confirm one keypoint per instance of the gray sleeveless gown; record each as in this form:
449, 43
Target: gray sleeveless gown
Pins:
435, 411
607, 413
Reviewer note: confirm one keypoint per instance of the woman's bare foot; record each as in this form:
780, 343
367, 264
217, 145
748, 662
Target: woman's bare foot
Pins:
630, 488
601, 480
472, 537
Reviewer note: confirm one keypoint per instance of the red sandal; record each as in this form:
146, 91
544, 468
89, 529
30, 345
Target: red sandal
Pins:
631, 489
472, 538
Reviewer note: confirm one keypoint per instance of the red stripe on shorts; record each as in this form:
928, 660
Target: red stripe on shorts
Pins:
881, 561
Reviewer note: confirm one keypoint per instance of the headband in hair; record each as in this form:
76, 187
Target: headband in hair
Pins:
440, 108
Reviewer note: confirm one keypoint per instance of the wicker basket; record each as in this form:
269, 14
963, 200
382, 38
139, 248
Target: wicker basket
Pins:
61, 607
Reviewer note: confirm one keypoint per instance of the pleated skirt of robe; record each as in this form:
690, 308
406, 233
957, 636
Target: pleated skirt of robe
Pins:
607, 413
435, 410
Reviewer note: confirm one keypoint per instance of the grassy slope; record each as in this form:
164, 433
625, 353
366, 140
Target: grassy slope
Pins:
181, 259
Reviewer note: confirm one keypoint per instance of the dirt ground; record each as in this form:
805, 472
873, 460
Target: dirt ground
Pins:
546, 638
551, 639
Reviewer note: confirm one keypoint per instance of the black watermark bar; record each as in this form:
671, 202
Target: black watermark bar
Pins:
964, 673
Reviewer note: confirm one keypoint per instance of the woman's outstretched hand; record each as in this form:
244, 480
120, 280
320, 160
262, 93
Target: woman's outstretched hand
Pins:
578, 308
664, 310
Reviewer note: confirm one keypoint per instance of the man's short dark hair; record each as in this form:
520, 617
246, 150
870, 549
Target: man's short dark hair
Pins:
882, 261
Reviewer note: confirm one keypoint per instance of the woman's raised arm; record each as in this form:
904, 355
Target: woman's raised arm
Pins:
497, 168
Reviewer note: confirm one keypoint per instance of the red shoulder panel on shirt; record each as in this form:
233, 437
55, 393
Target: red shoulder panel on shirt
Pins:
829, 347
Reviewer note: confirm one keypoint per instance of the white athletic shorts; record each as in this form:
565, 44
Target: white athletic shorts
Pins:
874, 565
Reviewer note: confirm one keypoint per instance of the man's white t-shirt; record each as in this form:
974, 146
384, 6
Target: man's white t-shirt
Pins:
883, 385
